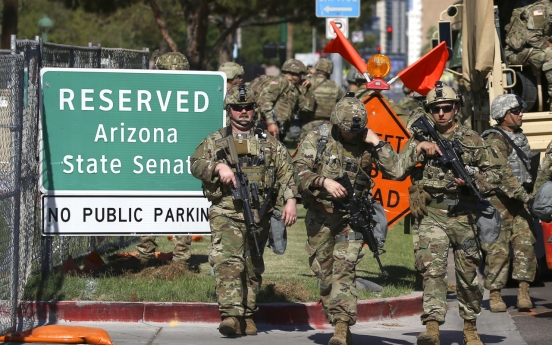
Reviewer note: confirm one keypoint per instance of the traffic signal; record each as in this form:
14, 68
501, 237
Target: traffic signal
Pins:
389, 32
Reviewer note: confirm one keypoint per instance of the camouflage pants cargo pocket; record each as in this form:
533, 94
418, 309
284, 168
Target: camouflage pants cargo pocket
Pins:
216, 247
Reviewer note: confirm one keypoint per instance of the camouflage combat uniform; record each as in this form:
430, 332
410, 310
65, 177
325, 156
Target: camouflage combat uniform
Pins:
326, 94
407, 104
237, 265
280, 99
447, 225
545, 168
181, 253
517, 223
528, 38
334, 248
182, 244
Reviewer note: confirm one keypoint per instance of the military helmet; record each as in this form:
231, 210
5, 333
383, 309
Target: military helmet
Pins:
240, 94
324, 65
351, 76
501, 104
172, 61
349, 114
294, 66
442, 93
359, 77
231, 69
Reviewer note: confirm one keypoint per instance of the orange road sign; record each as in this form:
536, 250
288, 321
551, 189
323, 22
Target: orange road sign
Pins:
393, 195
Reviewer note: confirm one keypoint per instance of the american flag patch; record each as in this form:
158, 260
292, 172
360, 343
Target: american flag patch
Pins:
538, 12
274, 82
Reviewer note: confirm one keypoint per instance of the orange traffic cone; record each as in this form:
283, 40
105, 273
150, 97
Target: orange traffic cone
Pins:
92, 262
70, 267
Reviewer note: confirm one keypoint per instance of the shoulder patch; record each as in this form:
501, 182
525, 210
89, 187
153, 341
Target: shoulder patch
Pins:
274, 82
538, 12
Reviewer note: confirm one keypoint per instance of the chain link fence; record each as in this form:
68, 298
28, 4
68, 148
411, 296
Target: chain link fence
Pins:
23, 250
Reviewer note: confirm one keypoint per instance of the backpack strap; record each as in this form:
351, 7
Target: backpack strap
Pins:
519, 152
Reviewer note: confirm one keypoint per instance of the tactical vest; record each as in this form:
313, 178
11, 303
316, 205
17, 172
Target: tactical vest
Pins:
337, 159
523, 21
435, 176
519, 167
254, 162
325, 93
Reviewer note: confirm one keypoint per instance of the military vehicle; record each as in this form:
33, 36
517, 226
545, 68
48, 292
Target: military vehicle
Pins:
475, 34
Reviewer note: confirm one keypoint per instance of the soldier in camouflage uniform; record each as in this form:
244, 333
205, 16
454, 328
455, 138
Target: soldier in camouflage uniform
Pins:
408, 103
266, 162
528, 38
147, 246
545, 168
445, 216
517, 222
326, 94
334, 248
353, 86
281, 98
234, 73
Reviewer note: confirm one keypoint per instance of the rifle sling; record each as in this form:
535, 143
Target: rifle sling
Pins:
519, 152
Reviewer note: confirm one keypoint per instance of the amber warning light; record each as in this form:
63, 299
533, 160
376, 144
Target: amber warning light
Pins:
378, 67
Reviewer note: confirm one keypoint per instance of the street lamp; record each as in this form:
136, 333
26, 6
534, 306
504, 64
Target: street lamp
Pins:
45, 24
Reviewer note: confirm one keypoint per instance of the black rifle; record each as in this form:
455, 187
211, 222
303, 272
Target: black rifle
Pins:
242, 192
360, 212
452, 152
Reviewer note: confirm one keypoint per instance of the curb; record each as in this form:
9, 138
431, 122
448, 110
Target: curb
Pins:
269, 313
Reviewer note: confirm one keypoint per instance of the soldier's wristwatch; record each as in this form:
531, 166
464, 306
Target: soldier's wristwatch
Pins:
379, 145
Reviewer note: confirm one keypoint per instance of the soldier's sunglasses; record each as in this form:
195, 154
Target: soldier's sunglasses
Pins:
445, 109
240, 108
516, 111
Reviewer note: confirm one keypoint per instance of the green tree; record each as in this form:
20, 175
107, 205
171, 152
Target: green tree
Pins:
429, 36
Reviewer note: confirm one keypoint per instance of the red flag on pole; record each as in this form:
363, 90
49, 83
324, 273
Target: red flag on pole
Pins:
343, 47
422, 74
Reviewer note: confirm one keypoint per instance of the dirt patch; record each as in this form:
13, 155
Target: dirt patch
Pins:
286, 291
169, 271
133, 267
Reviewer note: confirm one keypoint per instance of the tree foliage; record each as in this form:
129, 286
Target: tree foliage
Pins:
204, 30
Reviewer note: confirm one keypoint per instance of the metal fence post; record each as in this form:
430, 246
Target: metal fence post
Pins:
99, 56
145, 62
71, 57
16, 92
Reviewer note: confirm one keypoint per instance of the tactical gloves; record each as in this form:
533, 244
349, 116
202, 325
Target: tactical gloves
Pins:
419, 199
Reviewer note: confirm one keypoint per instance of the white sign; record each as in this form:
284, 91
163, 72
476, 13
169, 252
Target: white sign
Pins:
125, 215
341, 23
308, 58
357, 36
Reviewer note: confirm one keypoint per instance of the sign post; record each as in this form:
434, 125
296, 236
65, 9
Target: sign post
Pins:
116, 147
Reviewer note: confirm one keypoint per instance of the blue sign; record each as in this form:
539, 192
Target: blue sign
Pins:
338, 8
